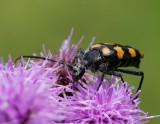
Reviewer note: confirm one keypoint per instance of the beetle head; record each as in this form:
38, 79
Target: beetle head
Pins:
78, 71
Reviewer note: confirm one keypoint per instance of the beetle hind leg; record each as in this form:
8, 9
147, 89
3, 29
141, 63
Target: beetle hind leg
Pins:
134, 72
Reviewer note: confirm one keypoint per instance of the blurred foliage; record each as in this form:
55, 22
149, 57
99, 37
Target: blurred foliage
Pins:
27, 24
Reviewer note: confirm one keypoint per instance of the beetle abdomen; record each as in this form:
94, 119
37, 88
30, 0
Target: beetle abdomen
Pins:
117, 55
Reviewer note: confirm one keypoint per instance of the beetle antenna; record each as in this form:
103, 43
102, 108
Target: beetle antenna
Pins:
43, 58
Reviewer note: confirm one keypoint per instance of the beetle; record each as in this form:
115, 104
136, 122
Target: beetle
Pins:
106, 58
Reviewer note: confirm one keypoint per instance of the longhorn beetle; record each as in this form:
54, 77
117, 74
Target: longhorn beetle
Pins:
106, 58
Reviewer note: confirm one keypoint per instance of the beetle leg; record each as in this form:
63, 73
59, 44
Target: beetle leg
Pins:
115, 73
134, 72
104, 69
102, 77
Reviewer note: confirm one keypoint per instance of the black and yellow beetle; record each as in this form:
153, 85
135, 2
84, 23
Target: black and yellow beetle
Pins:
106, 58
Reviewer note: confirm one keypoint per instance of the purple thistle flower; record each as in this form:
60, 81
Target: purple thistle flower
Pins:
25, 97
41, 92
112, 104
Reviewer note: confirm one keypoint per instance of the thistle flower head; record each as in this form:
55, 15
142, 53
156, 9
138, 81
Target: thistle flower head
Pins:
112, 104
25, 95
40, 92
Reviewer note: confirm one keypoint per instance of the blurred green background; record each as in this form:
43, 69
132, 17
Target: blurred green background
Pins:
27, 24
